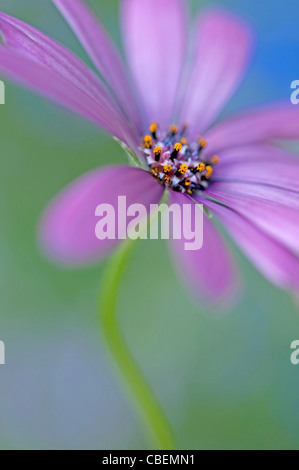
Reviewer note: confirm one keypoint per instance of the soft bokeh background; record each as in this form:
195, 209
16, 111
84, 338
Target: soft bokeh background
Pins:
226, 381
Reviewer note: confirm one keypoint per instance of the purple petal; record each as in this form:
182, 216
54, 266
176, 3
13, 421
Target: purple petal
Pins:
43, 64
67, 230
276, 262
154, 32
270, 211
278, 172
223, 45
102, 51
210, 273
279, 121
258, 152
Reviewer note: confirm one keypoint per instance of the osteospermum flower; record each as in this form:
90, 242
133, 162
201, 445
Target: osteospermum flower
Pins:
163, 109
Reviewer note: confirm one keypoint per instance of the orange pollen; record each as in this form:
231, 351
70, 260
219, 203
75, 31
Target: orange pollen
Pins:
215, 160
174, 129
147, 142
153, 128
178, 147
201, 167
167, 168
202, 142
157, 150
209, 171
183, 168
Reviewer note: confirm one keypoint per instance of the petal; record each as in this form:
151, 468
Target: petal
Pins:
102, 51
154, 33
67, 231
43, 64
275, 261
271, 213
223, 44
276, 172
279, 121
257, 153
210, 272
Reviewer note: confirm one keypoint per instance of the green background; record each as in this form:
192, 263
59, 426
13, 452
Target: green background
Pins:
225, 380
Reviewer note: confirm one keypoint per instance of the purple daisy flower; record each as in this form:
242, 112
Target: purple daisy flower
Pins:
163, 109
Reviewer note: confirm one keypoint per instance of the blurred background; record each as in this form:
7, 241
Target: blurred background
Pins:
225, 380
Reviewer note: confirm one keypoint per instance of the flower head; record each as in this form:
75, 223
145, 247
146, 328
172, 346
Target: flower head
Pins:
232, 168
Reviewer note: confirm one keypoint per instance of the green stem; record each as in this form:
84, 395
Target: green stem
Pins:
153, 415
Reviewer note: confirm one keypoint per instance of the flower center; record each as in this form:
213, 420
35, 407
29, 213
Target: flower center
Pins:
176, 163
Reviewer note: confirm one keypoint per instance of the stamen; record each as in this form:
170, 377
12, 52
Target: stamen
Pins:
173, 130
202, 143
167, 168
199, 168
182, 169
153, 129
157, 152
209, 172
178, 146
215, 160
184, 141
155, 171
147, 142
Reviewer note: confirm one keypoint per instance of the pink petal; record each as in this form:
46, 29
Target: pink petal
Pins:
154, 33
275, 261
279, 121
257, 153
223, 45
269, 212
277, 172
43, 64
210, 273
102, 51
67, 230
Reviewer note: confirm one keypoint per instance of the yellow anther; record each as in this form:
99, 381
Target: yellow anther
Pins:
155, 171
157, 150
189, 191
167, 168
153, 127
147, 141
178, 146
183, 168
187, 182
201, 167
174, 129
166, 179
209, 171
184, 141
202, 142
215, 160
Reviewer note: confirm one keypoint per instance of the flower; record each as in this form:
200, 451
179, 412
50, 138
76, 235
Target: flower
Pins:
164, 111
